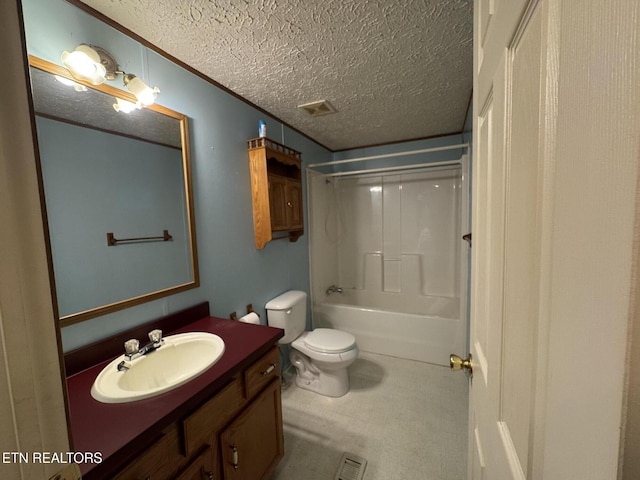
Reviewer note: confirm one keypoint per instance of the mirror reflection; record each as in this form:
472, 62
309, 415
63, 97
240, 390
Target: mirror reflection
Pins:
118, 196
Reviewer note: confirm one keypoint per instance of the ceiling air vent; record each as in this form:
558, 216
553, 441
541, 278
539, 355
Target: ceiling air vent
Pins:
316, 109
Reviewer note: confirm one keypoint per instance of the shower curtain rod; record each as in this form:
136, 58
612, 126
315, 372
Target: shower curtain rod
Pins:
388, 155
450, 163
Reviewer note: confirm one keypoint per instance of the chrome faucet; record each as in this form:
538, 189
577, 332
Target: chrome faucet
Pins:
333, 289
122, 366
132, 350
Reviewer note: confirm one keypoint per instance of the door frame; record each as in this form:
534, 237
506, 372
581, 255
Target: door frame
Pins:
33, 405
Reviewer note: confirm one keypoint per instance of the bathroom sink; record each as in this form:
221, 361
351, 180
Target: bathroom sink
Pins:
180, 358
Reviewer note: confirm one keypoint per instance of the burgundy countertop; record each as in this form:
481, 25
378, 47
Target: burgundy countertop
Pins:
118, 429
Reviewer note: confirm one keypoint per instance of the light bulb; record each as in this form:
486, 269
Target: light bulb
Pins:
124, 106
145, 94
70, 83
148, 96
84, 64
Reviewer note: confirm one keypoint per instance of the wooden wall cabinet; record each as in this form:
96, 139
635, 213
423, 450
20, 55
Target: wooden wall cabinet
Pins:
276, 190
236, 434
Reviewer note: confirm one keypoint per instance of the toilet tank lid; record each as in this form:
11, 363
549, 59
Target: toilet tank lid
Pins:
286, 300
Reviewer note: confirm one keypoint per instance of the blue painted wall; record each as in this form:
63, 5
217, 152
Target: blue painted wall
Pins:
232, 272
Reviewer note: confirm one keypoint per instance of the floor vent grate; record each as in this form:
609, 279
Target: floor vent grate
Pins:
351, 467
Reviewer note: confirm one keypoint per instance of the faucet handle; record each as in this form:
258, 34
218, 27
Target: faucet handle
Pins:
131, 346
155, 335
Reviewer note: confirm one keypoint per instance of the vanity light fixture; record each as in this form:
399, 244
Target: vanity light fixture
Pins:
143, 92
90, 64
70, 83
124, 106
95, 65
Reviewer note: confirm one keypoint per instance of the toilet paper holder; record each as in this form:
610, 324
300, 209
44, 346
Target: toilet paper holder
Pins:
234, 315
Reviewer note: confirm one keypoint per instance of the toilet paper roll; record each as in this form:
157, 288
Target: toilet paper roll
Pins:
250, 318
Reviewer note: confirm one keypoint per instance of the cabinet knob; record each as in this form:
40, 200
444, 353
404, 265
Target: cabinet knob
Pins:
289, 204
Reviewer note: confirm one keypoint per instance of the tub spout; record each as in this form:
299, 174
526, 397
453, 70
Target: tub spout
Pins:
333, 289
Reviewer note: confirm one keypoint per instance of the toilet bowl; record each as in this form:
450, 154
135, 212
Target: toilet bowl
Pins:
321, 357
326, 354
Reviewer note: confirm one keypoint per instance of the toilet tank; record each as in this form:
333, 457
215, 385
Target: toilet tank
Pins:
289, 312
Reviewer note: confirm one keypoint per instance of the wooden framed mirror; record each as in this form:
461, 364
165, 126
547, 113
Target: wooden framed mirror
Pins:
118, 196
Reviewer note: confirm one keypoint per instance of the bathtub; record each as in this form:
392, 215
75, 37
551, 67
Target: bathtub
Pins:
426, 328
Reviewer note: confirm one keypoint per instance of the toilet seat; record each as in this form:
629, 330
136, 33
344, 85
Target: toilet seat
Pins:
327, 340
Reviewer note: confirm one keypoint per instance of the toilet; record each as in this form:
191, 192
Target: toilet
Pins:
322, 356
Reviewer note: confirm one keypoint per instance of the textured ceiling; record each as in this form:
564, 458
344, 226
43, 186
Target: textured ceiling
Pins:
393, 70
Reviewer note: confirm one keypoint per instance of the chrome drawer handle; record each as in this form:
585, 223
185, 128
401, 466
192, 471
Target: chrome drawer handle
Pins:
271, 368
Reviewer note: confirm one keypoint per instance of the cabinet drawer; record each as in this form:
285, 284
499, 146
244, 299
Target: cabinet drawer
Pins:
212, 416
160, 461
200, 468
262, 372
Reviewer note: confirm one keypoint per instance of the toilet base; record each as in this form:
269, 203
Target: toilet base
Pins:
330, 383
326, 385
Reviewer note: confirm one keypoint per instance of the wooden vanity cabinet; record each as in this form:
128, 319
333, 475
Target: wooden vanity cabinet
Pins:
245, 414
161, 460
252, 445
200, 468
165, 460
276, 190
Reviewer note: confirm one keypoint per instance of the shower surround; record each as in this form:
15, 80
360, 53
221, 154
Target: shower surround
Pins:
393, 243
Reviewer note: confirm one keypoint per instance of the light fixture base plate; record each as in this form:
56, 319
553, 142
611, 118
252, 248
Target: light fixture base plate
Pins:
109, 63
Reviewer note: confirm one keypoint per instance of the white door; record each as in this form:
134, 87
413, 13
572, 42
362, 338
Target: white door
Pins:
555, 163
506, 248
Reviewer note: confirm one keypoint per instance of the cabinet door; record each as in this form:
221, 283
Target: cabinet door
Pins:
294, 204
253, 445
278, 202
207, 420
